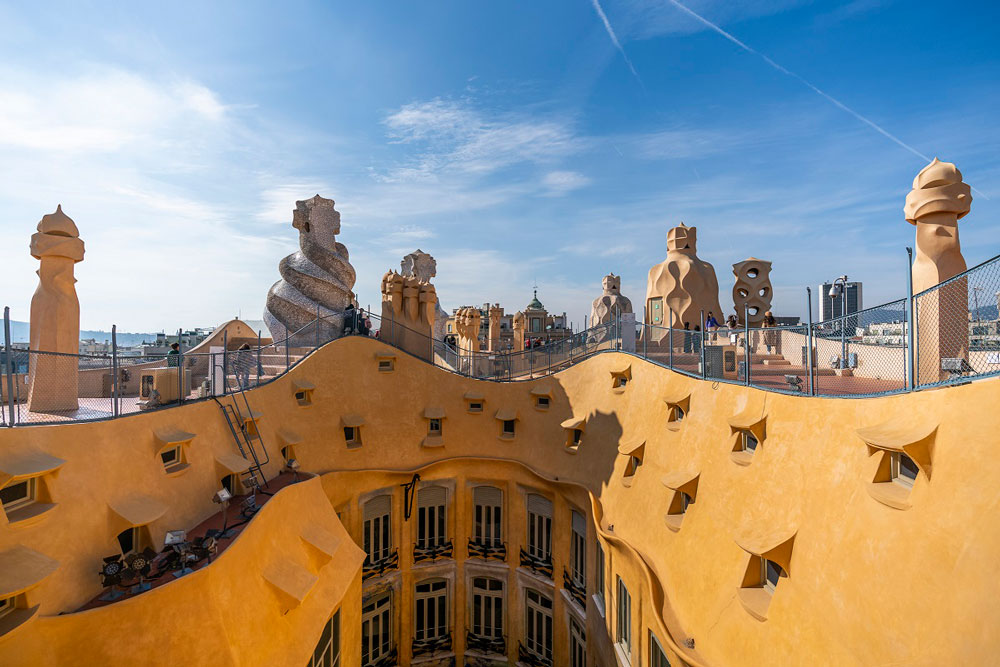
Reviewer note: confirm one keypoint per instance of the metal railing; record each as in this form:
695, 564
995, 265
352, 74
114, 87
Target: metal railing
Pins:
444, 549
539, 565
576, 587
873, 352
488, 550
378, 568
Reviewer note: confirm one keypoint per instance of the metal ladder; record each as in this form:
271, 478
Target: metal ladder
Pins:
244, 437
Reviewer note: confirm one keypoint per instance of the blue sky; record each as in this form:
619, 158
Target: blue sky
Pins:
511, 140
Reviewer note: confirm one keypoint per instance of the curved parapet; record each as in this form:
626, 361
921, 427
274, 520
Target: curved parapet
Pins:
316, 280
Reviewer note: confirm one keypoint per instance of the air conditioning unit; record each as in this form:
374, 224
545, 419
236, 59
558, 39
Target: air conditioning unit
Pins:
164, 381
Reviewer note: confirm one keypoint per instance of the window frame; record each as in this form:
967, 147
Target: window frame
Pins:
765, 574
623, 626
377, 530
29, 498
431, 599
378, 609
436, 535
657, 656
488, 601
745, 438
601, 575
487, 521
178, 461
578, 550
328, 653
896, 467
577, 644
539, 527
508, 432
352, 435
539, 610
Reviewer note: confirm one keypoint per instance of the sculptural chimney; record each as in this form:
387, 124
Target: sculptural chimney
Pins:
495, 315
938, 200
55, 316
682, 287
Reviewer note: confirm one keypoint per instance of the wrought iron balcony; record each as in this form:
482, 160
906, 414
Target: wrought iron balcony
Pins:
530, 658
432, 646
576, 588
536, 564
381, 566
388, 660
487, 550
485, 645
433, 552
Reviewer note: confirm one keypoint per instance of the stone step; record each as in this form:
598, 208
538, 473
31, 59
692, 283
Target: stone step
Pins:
777, 362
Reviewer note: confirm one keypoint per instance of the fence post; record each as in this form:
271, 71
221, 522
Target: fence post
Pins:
115, 409
670, 338
701, 336
9, 363
645, 338
288, 340
180, 367
910, 324
809, 341
225, 364
317, 326
746, 342
258, 356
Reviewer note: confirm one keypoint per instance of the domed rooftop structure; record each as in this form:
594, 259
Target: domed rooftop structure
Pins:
535, 304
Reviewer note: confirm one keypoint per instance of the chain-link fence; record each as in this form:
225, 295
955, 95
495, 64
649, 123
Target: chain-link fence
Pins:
866, 353
957, 336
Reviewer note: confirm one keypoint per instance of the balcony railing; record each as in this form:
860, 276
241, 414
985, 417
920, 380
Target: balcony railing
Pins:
537, 564
381, 566
485, 645
576, 588
488, 551
388, 660
432, 646
433, 551
530, 658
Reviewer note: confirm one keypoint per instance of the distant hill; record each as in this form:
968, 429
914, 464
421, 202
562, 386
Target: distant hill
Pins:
19, 333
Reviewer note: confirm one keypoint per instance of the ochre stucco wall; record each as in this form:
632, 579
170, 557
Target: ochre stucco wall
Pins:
868, 584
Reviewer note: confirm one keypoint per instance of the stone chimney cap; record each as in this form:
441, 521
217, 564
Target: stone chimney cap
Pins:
58, 224
938, 188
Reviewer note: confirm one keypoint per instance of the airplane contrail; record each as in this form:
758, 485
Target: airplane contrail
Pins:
840, 105
614, 37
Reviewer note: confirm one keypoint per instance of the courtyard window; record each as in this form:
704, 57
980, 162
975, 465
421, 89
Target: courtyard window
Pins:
376, 630
378, 529
487, 608
577, 645
538, 625
431, 612
903, 469
623, 635
487, 530
327, 651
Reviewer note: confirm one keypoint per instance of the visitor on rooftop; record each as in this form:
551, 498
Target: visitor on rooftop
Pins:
711, 325
770, 337
687, 336
350, 319
174, 355
696, 339
243, 364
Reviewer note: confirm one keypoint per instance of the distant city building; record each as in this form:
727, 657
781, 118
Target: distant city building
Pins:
831, 307
538, 324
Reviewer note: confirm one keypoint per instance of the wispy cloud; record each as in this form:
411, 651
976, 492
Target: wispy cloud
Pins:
614, 37
454, 135
563, 182
840, 105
